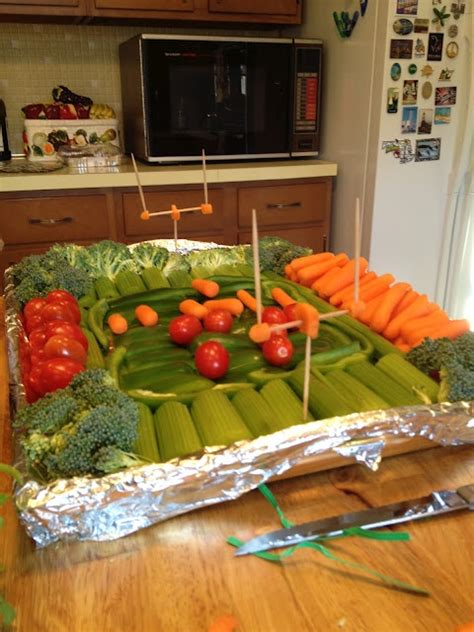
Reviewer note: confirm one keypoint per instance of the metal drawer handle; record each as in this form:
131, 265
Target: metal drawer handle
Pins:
290, 205
50, 221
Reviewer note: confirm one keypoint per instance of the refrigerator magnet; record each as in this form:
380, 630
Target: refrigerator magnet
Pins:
409, 116
427, 90
407, 7
427, 71
452, 50
427, 149
412, 68
425, 121
442, 116
395, 71
457, 9
392, 100
401, 49
445, 96
410, 91
445, 74
435, 46
421, 25
420, 50
453, 30
403, 26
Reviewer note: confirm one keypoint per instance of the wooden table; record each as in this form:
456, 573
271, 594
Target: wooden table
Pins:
181, 576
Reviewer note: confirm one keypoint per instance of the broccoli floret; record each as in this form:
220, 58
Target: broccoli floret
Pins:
464, 349
76, 256
176, 262
149, 256
431, 354
96, 387
111, 459
271, 249
36, 447
48, 414
108, 258
37, 275
456, 382
289, 255
215, 257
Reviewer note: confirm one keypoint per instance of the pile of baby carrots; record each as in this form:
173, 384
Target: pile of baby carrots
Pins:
393, 309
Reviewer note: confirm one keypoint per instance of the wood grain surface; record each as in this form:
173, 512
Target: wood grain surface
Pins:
181, 576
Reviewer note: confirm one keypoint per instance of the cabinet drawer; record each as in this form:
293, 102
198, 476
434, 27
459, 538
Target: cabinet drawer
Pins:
191, 222
314, 237
146, 5
290, 204
51, 219
262, 7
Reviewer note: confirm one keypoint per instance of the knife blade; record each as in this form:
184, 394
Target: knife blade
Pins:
436, 503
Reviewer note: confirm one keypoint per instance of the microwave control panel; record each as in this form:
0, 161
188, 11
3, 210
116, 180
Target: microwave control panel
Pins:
307, 97
306, 101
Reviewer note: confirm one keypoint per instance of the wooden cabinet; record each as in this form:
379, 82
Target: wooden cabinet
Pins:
223, 11
43, 8
298, 210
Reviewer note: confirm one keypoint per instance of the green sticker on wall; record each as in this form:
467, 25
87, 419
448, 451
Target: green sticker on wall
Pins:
412, 68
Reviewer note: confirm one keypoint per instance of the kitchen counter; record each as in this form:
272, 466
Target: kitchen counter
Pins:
181, 575
167, 175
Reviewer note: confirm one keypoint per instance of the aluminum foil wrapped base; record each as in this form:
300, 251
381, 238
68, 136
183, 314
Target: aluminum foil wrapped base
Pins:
107, 508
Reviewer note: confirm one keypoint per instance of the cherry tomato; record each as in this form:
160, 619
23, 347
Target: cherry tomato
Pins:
31, 395
32, 323
273, 316
38, 338
183, 329
64, 328
64, 347
212, 359
278, 351
60, 295
58, 311
37, 356
218, 320
289, 311
35, 382
57, 373
33, 307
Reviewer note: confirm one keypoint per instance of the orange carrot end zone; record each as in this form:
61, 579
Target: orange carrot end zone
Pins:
232, 305
206, 287
310, 317
146, 315
281, 297
247, 299
117, 323
260, 333
193, 308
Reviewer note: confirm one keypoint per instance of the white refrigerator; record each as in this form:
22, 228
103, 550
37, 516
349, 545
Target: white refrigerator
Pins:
412, 168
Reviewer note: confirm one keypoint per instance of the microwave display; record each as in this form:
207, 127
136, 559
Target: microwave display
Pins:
234, 98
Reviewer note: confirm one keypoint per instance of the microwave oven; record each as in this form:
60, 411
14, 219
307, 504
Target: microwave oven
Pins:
236, 98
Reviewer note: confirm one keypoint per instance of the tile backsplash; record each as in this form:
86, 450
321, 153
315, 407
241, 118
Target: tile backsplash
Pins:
35, 58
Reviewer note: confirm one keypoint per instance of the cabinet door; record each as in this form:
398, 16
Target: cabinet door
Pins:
146, 5
262, 7
43, 7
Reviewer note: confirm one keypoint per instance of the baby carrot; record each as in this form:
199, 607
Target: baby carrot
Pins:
420, 307
281, 297
117, 323
313, 272
384, 311
452, 329
419, 328
247, 299
347, 293
316, 285
344, 278
193, 308
260, 333
409, 298
370, 308
206, 287
302, 262
310, 317
232, 305
146, 315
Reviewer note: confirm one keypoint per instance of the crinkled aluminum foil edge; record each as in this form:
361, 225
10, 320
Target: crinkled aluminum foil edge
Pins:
108, 508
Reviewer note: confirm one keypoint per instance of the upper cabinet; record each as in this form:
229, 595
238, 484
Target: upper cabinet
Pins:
42, 8
217, 11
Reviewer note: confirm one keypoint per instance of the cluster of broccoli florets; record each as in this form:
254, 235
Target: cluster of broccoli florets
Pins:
275, 253
37, 275
451, 361
87, 428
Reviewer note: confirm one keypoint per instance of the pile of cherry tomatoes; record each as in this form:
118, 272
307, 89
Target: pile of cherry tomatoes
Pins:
55, 348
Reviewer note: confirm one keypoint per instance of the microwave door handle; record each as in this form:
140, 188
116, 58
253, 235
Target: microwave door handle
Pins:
281, 206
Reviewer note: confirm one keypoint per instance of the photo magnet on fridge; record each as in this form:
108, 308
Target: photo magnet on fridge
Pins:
427, 149
410, 91
425, 121
409, 117
445, 96
435, 47
401, 49
395, 71
392, 100
421, 25
403, 26
407, 7
442, 116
